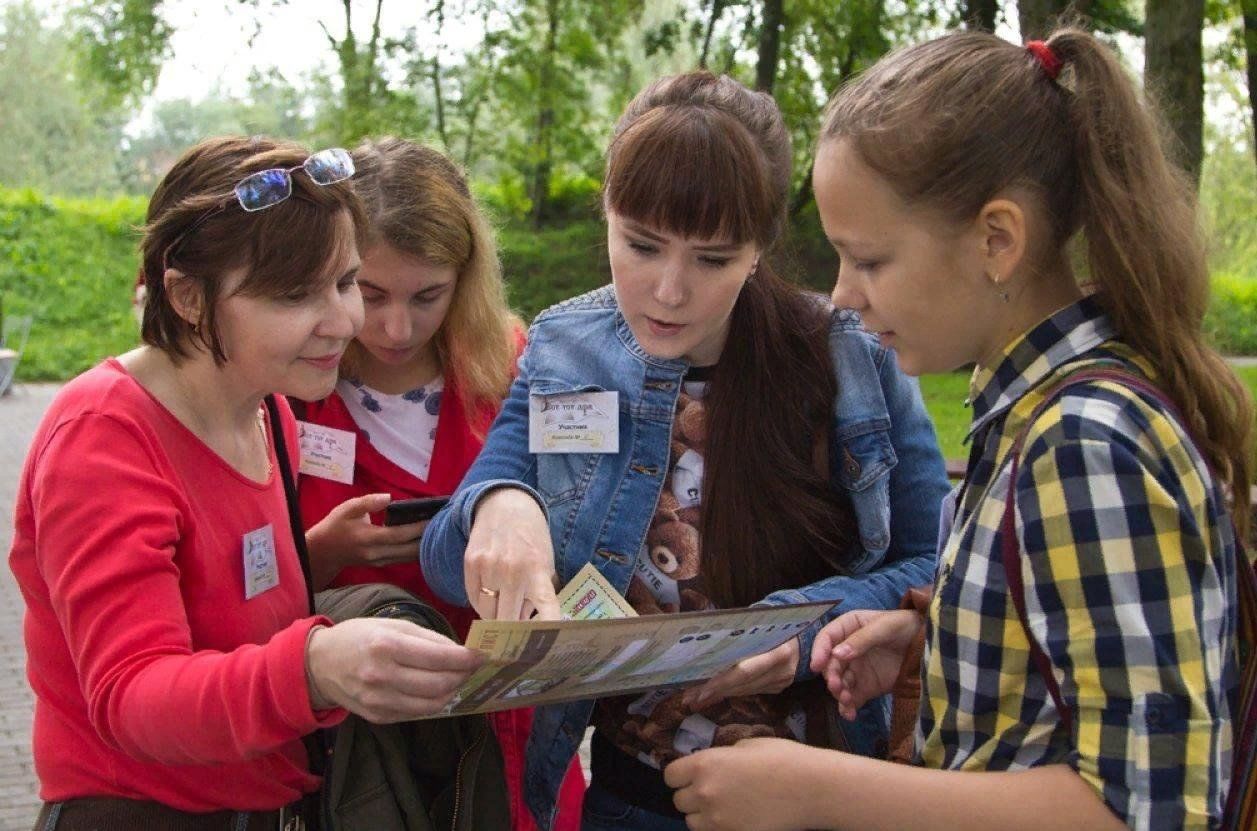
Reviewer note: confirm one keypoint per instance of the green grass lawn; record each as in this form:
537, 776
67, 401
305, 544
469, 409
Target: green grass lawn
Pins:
945, 396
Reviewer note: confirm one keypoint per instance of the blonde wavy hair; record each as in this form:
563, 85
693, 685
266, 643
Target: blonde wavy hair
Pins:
418, 202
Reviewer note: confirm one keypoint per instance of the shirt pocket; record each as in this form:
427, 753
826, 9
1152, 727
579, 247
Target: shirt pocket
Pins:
865, 459
562, 477
866, 453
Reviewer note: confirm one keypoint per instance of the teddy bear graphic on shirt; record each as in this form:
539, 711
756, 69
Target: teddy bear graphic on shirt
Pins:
656, 727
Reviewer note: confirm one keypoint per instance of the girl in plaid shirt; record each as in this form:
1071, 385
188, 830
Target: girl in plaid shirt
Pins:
951, 178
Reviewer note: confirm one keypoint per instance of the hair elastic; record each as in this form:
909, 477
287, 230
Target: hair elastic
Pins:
1046, 57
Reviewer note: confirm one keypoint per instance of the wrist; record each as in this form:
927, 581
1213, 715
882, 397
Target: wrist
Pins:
504, 497
318, 699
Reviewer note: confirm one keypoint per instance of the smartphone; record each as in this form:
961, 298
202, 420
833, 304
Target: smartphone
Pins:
406, 511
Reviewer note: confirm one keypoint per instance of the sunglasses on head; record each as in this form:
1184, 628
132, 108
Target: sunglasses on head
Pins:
261, 190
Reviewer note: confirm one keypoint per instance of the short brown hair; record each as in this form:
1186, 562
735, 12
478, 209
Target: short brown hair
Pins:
286, 248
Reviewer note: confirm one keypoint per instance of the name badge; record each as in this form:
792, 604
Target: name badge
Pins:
261, 570
574, 422
327, 452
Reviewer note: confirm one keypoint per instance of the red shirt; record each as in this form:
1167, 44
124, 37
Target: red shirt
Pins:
154, 677
458, 441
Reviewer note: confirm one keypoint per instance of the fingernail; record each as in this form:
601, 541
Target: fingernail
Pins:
843, 651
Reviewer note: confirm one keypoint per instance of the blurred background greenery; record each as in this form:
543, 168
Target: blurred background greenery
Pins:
523, 94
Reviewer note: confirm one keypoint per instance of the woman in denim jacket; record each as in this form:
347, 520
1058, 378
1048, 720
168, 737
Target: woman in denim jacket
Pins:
731, 408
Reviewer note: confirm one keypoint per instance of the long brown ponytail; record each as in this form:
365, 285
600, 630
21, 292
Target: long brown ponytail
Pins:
953, 122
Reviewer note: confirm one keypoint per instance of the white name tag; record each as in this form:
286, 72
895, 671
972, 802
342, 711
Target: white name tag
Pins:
574, 422
261, 571
327, 452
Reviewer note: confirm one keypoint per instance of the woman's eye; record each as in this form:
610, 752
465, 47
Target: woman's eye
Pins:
715, 262
867, 266
641, 247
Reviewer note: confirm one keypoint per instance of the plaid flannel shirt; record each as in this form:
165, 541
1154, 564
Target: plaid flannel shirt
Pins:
1128, 560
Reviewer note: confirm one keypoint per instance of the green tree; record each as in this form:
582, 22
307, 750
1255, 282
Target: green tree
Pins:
58, 130
123, 44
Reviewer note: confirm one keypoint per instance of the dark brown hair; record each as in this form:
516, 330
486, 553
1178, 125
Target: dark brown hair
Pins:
951, 123
703, 156
418, 202
286, 248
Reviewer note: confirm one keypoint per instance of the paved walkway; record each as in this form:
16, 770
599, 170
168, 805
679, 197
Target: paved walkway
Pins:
20, 412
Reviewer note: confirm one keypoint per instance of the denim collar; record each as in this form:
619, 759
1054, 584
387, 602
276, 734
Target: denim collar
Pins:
1035, 355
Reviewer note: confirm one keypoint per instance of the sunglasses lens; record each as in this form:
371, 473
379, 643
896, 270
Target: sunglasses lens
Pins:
263, 189
329, 166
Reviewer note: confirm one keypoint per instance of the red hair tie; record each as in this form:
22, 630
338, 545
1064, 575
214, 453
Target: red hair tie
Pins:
1046, 58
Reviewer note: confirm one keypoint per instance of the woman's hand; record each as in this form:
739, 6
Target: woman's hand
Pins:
509, 565
860, 653
384, 670
768, 672
347, 537
757, 783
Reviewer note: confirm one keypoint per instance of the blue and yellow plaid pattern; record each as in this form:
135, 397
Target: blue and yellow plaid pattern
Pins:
1128, 560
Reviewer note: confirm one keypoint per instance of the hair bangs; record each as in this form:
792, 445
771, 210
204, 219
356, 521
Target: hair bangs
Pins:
298, 247
692, 172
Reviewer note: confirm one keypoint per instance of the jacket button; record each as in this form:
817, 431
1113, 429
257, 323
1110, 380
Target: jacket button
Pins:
850, 465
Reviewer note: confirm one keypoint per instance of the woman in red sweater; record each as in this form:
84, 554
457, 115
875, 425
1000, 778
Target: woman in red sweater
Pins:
175, 664
418, 390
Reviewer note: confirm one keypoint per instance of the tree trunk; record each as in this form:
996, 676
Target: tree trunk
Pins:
1250, 50
439, 97
1037, 17
980, 14
717, 8
545, 118
1174, 72
769, 45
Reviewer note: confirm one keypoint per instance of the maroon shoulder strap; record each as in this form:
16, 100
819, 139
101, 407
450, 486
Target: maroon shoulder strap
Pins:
1010, 549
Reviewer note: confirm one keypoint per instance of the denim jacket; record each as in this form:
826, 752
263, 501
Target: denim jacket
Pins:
883, 452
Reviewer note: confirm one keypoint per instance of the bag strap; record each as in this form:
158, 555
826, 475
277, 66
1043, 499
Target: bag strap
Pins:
1010, 550
316, 744
290, 495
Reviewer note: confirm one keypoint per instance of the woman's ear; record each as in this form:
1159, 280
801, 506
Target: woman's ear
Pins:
1001, 227
186, 296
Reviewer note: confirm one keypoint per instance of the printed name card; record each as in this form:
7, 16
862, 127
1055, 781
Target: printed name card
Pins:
574, 422
327, 452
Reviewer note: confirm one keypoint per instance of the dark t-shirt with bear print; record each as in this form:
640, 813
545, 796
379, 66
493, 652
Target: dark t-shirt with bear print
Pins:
655, 727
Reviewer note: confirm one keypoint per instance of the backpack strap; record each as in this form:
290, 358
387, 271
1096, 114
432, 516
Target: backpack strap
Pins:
315, 743
290, 496
1010, 550
1241, 803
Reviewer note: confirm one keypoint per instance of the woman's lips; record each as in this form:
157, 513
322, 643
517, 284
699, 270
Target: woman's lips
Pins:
330, 361
661, 329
